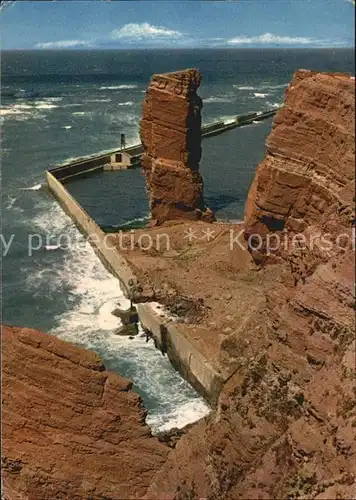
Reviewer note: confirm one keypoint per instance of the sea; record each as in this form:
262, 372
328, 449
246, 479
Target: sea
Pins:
60, 105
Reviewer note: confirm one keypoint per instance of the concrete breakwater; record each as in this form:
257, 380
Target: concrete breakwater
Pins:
91, 164
96, 163
169, 337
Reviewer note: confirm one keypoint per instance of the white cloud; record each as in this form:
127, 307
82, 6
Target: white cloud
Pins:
269, 38
62, 44
144, 31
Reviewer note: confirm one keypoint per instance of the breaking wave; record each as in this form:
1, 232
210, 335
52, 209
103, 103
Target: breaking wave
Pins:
127, 103
52, 99
24, 110
44, 105
118, 87
273, 104
241, 87
266, 86
92, 293
213, 99
10, 202
230, 121
83, 113
36, 187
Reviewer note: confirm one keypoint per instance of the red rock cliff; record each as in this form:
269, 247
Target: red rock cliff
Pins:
306, 182
170, 131
70, 429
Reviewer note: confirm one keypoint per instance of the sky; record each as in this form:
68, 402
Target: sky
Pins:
70, 24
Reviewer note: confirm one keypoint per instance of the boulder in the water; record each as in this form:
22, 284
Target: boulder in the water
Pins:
128, 330
127, 316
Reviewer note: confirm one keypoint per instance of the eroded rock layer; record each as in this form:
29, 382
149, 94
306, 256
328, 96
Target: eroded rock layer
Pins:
170, 131
306, 182
70, 429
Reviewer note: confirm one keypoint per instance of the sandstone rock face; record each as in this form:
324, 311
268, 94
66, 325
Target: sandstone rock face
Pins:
71, 430
170, 131
305, 183
285, 423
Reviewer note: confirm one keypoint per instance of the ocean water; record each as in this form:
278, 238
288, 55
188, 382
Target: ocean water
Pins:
57, 105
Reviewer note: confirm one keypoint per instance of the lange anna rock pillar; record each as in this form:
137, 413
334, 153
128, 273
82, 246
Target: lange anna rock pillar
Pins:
170, 130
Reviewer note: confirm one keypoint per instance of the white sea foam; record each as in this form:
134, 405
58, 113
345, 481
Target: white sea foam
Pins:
67, 127
10, 205
83, 113
44, 105
92, 293
258, 94
184, 414
53, 99
241, 87
274, 87
264, 86
230, 121
16, 110
127, 103
118, 87
10, 202
273, 104
227, 118
24, 111
36, 187
216, 99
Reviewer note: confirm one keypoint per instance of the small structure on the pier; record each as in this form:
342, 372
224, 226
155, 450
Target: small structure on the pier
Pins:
120, 160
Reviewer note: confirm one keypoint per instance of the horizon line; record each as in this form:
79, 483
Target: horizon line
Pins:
86, 49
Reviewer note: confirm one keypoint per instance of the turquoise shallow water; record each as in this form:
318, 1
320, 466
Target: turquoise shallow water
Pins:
60, 105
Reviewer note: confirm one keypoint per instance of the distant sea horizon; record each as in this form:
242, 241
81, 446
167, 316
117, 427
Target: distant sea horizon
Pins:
174, 49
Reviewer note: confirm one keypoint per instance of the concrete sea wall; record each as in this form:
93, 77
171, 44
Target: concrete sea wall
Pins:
192, 365
116, 264
185, 357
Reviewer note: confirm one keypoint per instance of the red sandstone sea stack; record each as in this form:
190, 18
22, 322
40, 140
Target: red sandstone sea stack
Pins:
170, 131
